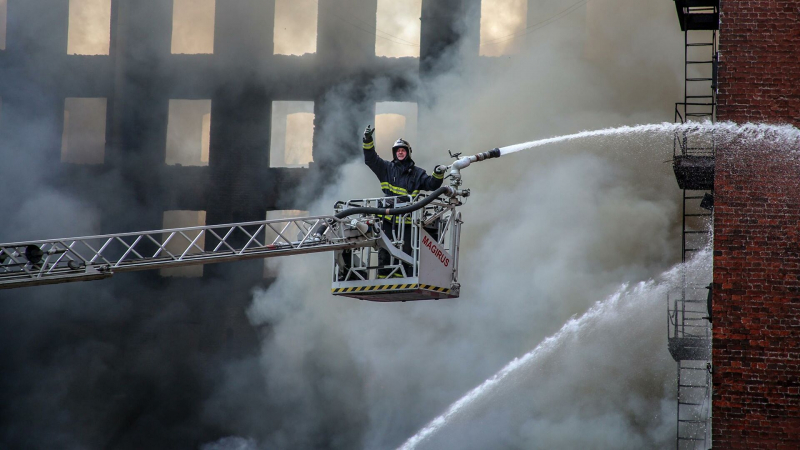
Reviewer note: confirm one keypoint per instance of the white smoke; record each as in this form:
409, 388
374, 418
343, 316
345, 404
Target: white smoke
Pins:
548, 233
565, 235
530, 400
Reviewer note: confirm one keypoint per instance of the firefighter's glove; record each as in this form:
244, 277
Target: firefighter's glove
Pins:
368, 132
440, 169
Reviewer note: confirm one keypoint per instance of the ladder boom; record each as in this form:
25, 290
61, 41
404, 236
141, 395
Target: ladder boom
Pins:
86, 258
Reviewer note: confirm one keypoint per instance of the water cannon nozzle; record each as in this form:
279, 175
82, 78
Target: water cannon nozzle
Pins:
455, 168
493, 153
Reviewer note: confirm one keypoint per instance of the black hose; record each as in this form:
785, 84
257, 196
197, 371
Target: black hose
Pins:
395, 211
389, 211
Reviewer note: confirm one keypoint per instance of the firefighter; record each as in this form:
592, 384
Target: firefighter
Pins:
398, 177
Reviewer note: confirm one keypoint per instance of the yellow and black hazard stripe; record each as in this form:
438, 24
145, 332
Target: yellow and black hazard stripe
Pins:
389, 287
380, 287
433, 288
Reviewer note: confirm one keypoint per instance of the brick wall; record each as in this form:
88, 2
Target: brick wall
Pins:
756, 355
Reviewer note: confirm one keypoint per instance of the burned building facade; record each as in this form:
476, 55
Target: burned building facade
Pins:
121, 115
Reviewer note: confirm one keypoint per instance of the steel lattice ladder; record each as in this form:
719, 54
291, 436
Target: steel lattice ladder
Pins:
86, 258
689, 327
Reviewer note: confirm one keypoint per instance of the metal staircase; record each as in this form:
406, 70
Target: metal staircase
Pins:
689, 326
690, 346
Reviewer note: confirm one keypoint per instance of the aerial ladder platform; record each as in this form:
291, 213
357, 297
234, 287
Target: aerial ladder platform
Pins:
357, 233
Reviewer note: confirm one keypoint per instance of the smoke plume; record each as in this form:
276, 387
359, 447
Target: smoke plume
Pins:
137, 362
547, 234
528, 404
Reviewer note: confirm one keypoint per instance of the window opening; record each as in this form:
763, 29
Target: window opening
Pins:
193, 26
398, 28
292, 134
188, 132
89, 30
205, 139
295, 31
83, 139
394, 120
503, 25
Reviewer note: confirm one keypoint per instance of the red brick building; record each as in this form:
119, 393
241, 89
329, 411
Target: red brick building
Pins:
756, 309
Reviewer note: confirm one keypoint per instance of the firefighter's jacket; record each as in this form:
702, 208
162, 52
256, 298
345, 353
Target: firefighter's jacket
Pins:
400, 177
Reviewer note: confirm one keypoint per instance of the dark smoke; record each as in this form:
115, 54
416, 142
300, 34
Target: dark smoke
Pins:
144, 362
124, 363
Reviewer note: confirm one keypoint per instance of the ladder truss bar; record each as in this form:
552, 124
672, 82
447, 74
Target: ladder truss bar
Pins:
98, 253
60, 260
130, 248
75, 252
279, 234
223, 240
21, 279
308, 232
159, 245
252, 238
166, 242
63, 255
170, 230
193, 243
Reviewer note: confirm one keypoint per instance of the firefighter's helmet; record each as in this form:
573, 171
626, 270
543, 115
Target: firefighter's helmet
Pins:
401, 143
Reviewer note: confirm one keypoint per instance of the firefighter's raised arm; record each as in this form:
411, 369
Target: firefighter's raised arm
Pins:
371, 158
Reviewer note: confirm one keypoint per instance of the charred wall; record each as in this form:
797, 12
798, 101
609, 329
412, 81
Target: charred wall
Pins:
756, 327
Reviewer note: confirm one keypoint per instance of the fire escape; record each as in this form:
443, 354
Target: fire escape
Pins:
689, 325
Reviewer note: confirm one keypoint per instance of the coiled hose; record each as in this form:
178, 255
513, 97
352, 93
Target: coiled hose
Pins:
397, 211
449, 191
